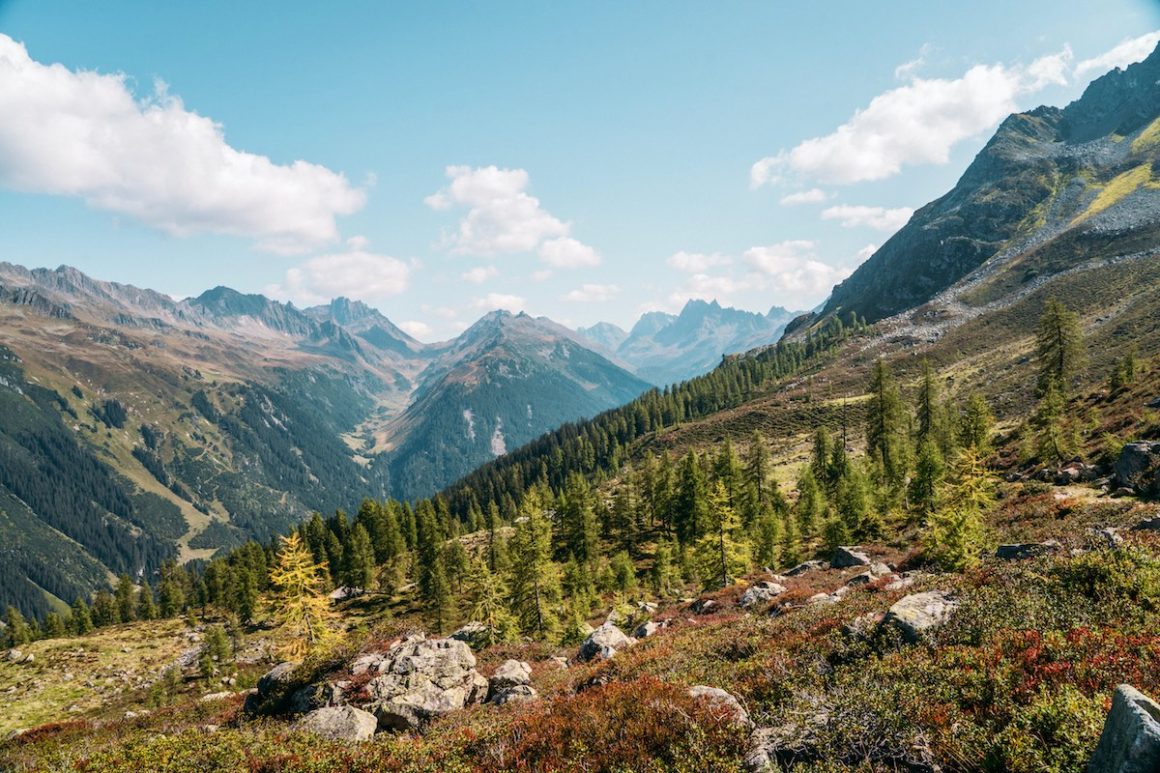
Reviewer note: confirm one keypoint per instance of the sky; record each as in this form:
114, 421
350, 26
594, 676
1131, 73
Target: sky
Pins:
584, 161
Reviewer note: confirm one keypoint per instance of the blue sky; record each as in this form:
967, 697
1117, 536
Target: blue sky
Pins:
585, 161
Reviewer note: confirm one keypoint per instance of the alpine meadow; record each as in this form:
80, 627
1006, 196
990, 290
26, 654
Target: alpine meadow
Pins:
580, 387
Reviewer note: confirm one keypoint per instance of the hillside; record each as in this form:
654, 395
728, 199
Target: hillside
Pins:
138, 430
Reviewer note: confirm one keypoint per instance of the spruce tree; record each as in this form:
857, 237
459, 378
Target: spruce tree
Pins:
359, 558
487, 594
1059, 348
535, 588
17, 630
81, 618
928, 475
126, 603
885, 425
757, 468
146, 605
691, 510
1054, 438
54, 627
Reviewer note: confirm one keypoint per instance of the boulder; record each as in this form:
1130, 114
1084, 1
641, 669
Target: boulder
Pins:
919, 613
512, 673
370, 663
705, 606
1025, 550
277, 678
902, 582
340, 723
845, 557
424, 679
518, 694
823, 598
1148, 524
603, 643
1136, 468
723, 702
761, 593
472, 634
1076, 472
805, 566
792, 743
1130, 742
647, 629
876, 570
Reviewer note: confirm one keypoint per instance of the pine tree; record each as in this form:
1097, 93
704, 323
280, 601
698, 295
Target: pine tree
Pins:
810, 501
535, 586
1058, 347
146, 605
691, 510
216, 652
126, 603
885, 427
18, 631
767, 541
757, 469
624, 517
663, 575
105, 610
578, 526
360, 559
487, 594
54, 627
975, 425
721, 555
1054, 439
298, 598
928, 474
81, 618
791, 542
170, 591
955, 532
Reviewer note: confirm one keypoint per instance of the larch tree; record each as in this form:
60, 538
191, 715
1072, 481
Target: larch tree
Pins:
535, 585
298, 599
722, 553
1059, 348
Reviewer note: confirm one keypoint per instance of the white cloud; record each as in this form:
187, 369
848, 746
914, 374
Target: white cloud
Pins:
907, 70
592, 293
84, 134
541, 275
708, 287
812, 196
697, 262
420, 330
354, 274
794, 270
479, 274
917, 123
866, 252
493, 301
566, 252
880, 218
1125, 53
503, 218
443, 312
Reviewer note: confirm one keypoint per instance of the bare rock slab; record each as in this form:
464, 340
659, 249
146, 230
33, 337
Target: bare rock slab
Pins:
1130, 742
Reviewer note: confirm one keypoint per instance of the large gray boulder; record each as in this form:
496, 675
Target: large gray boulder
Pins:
512, 673
1130, 742
341, 723
423, 679
604, 642
918, 614
723, 702
277, 678
1138, 468
845, 557
761, 593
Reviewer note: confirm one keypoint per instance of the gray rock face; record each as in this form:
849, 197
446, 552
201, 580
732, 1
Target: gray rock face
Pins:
1026, 550
761, 593
521, 693
1138, 468
1130, 742
341, 723
805, 566
847, 556
277, 677
722, 701
422, 680
604, 642
919, 613
647, 629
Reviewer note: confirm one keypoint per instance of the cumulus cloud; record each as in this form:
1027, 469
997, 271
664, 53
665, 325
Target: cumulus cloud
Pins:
697, 262
479, 274
86, 135
1125, 53
812, 196
355, 273
502, 217
493, 301
866, 252
916, 123
880, 218
793, 268
420, 330
592, 293
709, 287
566, 252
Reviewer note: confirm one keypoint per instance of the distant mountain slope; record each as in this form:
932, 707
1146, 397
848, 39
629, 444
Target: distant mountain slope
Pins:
504, 381
1088, 167
665, 349
604, 335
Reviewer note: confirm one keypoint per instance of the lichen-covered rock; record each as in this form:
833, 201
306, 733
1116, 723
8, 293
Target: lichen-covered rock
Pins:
705, 606
424, 679
877, 569
278, 677
1130, 742
761, 593
845, 557
473, 634
647, 629
511, 673
604, 642
1024, 550
340, 723
919, 613
723, 702
520, 693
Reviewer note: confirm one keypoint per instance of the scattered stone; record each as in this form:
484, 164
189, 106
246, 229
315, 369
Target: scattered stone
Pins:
511, 673
210, 728
647, 629
1137, 468
215, 696
561, 662
519, 694
370, 663
646, 607
424, 679
805, 566
1076, 472
15, 655
603, 643
845, 557
1110, 536
473, 634
917, 614
722, 701
339, 723
344, 593
769, 746
876, 570
1155, 403
761, 593
1148, 524
1026, 550
904, 581
823, 598
1130, 742
862, 626
704, 606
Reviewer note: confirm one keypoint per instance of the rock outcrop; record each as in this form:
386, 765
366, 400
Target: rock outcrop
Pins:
341, 723
604, 642
761, 593
845, 557
511, 682
1130, 742
423, 679
1138, 468
1024, 550
916, 615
